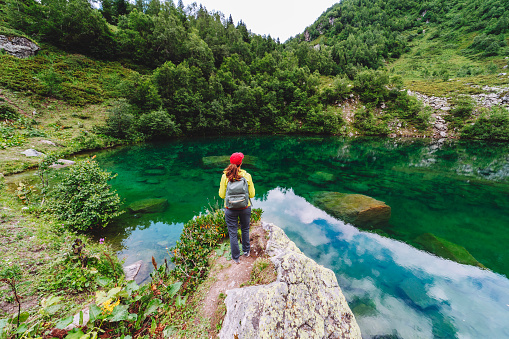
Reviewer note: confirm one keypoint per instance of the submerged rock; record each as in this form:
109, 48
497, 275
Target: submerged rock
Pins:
321, 178
148, 205
446, 249
356, 209
304, 302
222, 161
155, 171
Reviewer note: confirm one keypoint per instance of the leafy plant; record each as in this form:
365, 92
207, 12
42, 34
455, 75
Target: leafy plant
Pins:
11, 275
83, 199
491, 125
119, 121
43, 171
7, 112
199, 237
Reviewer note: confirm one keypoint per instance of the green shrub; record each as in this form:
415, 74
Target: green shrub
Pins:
157, 125
365, 121
7, 112
83, 199
463, 107
199, 237
339, 90
371, 86
491, 125
119, 121
323, 122
423, 118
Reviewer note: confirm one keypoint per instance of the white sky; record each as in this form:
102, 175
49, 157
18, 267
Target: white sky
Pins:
282, 19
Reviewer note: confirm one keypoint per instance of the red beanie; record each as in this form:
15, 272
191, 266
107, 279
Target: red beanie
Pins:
236, 158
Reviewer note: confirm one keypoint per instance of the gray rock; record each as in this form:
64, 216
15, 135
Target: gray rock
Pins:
47, 142
132, 270
32, 153
76, 320
440, 126
304, 302
18, 46
62, 163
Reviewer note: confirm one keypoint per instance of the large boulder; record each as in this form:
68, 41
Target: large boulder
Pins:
305, 301
357, 209
148, 205
222, 161
446, 249
18, 46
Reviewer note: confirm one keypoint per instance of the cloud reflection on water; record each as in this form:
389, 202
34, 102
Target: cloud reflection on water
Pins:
413, 294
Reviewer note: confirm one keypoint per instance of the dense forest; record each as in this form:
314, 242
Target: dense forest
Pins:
179, 70
368, 32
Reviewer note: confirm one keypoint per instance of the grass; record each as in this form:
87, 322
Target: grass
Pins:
431, 63
69, 127
30, 241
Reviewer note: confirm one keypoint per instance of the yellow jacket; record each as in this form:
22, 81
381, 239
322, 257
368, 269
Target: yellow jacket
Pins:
243, 173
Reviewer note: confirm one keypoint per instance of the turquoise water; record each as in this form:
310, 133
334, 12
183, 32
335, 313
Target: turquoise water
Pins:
456, 191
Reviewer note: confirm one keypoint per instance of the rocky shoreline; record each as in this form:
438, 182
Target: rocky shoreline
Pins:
305, 301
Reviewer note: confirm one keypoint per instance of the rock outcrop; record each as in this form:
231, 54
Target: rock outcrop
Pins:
18, 46
357, 209
305, 301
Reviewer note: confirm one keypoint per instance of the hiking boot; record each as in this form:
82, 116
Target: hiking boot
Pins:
246, 254
237, 261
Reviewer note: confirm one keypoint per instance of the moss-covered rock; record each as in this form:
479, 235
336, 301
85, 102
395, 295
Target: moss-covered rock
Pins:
357, 209
148, 205
222, 161
446, 249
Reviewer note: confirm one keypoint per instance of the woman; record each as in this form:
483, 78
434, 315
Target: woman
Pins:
231, 174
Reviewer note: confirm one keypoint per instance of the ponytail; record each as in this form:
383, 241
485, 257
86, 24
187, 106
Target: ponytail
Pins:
232, 173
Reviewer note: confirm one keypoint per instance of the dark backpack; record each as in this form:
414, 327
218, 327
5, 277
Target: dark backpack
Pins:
237, 194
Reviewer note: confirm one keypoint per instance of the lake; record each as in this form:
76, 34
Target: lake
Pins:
449, 201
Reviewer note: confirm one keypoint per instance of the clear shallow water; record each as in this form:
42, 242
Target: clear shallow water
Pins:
456, 191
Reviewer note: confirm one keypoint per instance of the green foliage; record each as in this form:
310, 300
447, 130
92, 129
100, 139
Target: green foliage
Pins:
199, 237
372, 86
78, 268
320, 121
365, 121
7, 112
83, 199
338, 91
493, 124
119, 121
157, 125
141, 92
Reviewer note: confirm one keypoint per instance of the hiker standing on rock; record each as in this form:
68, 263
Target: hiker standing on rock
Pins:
236, 188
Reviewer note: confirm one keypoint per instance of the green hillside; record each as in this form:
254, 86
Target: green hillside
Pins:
156, 70
419, 40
